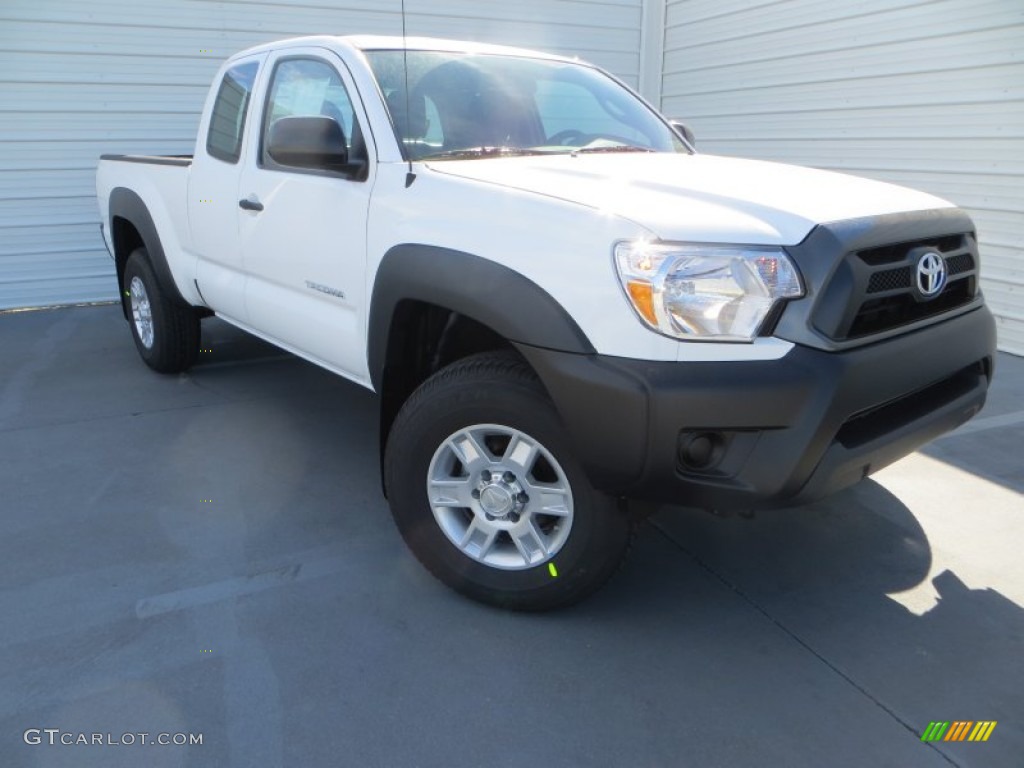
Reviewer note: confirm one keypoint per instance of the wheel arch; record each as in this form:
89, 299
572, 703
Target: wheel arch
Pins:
431, 306
131, 227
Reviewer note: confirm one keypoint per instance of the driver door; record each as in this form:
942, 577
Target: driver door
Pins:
303, 230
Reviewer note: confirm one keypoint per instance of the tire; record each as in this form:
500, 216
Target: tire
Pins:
487, 494
166, 332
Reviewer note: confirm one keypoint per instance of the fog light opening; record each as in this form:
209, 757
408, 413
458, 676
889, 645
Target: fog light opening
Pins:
700, 450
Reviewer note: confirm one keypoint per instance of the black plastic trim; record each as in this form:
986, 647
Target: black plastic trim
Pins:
505, 301
179, 160
790, 430
126, 204
824, 259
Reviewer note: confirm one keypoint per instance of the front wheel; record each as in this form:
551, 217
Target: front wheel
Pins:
486, 492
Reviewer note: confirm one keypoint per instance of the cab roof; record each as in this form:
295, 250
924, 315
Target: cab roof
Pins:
397, 42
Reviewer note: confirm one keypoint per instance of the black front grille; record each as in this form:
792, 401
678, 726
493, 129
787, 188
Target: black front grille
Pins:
890, 254
881, 314
875, 290
962, 262
902, 278
890, 280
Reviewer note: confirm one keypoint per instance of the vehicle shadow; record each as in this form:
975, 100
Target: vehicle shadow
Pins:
993, 454
823, 575
985, 446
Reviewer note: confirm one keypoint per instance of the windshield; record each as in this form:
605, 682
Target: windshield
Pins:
461, 105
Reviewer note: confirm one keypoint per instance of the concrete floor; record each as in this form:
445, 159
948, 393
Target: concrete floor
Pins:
210, 554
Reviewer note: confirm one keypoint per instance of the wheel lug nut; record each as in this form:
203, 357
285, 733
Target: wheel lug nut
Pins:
522, 498
508, 477
486, 476
514, 517
475, 493
489, 516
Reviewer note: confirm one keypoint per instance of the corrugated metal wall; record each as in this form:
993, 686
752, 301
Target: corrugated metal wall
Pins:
928, 94
78, 79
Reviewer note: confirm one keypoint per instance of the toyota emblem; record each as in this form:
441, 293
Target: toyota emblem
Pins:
931, 274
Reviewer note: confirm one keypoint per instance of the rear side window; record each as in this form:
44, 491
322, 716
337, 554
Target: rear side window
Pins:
227, 123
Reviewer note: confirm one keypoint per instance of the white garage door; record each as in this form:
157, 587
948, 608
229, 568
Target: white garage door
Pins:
928, 94
78, 79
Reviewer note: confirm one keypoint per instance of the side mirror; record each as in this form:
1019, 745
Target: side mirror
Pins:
308, 142
684, 131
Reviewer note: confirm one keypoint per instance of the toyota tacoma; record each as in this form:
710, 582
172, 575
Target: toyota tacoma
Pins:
569, 314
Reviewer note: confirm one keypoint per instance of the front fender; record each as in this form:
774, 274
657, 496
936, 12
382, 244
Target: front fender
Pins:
500, 298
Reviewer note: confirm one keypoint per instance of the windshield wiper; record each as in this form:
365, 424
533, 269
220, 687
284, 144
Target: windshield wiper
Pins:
478, 152
612, 148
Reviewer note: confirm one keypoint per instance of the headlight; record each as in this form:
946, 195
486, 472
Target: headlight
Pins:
711, 292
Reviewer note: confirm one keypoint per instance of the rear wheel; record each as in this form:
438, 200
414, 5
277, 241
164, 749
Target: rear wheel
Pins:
166, 332
486, 492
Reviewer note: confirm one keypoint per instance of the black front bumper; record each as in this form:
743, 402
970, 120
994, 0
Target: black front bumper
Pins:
770, 433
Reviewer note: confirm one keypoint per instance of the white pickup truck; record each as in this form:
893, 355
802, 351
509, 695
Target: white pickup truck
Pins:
569, 314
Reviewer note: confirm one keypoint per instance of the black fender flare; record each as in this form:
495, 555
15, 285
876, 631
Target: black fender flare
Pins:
126, 204
492, 294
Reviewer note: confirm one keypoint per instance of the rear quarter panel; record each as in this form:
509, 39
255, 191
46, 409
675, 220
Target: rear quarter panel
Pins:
164, 191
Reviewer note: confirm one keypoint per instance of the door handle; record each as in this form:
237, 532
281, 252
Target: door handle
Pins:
250, 204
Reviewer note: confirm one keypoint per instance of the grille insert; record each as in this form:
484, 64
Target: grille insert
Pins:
890, 254
962, 262
874, 290
885, 312
902, 278
890, 280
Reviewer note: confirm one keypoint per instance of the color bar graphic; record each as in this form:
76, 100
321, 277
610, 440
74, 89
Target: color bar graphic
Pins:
958, 730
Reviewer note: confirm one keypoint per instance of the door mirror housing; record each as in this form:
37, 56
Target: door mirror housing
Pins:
314, 142
684, 131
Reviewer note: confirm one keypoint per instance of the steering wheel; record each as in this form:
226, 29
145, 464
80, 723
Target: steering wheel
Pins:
569, 138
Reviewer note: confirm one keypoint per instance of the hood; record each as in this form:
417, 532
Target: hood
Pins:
699, 198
